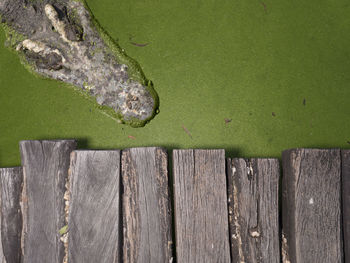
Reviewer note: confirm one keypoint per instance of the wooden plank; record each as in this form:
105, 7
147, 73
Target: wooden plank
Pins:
253, 210
346, 203
94, 208
146, 206
311, 206
2, 256
45, 169
11, 180
201, 215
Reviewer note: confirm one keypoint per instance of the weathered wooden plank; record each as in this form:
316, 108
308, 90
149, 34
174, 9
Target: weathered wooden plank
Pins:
45, 169
2, 257
346, 203
311, 206
94, 207
253, 210
146, 206
11, 180
201, 216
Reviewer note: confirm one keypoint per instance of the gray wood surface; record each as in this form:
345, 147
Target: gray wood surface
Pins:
11, 180
311, 206
45, 168
346, 203
94, 208
146, 206
2, 257
253, 210
201, 212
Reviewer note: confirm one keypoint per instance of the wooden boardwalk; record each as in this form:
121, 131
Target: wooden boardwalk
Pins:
109, 206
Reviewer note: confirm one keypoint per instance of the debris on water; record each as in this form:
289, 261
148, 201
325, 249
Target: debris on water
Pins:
187, 131
139, 44
264, 5
131, 37
227, 120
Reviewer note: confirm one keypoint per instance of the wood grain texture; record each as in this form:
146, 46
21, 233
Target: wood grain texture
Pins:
11, 180
201, 212
253, 210
45, 169
346, 202
2, 257
146, 206
94, 208
311, 206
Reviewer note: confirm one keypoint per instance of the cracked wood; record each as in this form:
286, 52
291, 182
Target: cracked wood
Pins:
146, 206
11, 180
253, 210
94, 208
200, 206
311, 205
346, 202
45, 169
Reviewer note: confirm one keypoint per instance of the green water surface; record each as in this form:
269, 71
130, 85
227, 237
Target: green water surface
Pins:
278, 69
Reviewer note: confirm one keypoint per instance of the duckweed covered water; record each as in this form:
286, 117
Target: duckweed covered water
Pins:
279, 70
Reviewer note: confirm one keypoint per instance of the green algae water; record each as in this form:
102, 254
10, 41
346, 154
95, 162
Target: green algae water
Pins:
252, 77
